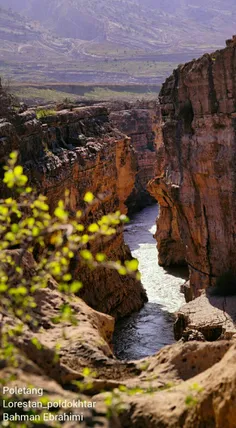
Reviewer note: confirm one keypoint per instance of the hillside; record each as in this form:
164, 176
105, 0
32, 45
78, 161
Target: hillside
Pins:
153, 25
108, 42
21, 38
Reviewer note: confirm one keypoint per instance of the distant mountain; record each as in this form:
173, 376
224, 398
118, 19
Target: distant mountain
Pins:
108, 41
154, 25
26, 40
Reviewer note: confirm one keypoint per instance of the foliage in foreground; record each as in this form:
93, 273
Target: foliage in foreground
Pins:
27, 225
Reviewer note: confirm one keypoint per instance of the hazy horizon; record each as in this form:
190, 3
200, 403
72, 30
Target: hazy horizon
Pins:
108, 42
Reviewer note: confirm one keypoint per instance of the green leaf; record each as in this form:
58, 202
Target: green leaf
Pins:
122, 270
18, 170
80, 227
18, 291
100, 257
15, 228
89, 197
41, 205
75, 286
191, 401
3, 288
67, 277
36, 343
93, 228
4, 210
86, 372
13, 155
87, 255
10, 236
60, 213
35, 231
85, 239
132, 265
30, 221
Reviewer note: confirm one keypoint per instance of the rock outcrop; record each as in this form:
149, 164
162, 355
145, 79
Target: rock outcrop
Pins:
196, 185
141, 121
213, 316
183, 385
79, 150
207, 399
171, 251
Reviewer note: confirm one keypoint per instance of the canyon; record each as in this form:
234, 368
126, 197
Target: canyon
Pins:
141, 121
187, 148
81, 148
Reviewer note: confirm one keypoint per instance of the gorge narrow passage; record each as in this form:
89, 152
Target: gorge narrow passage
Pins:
145, 332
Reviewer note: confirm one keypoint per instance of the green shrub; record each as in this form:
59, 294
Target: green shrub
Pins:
41, 113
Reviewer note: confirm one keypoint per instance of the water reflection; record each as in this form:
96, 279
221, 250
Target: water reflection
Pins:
144, 333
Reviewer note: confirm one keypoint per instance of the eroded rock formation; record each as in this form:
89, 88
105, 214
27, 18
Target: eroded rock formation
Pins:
213, 316
183, 385
141, 121
196, 185
79, 150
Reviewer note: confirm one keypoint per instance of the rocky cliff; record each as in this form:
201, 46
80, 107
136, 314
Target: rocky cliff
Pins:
79, 150
141, 121
196, 183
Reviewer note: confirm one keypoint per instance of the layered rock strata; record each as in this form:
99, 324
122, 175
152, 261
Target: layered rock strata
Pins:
196, 186
141, 121
79, 150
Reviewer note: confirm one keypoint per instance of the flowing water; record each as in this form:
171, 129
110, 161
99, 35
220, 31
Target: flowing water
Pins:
145, 332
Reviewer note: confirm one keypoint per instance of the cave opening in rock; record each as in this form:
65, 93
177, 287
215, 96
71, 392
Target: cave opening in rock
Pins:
187, 115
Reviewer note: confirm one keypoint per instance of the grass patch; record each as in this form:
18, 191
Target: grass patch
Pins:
31, 95
108, 70
106, 94
41, 113
74, 93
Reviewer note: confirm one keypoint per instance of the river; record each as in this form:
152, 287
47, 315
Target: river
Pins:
147, 331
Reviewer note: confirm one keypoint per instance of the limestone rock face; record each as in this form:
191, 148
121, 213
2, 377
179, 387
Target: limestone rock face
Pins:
79, 150
141, 121
196, 184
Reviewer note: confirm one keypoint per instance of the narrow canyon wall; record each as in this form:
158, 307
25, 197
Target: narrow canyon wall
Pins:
79, 150
141, 121
196, 183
